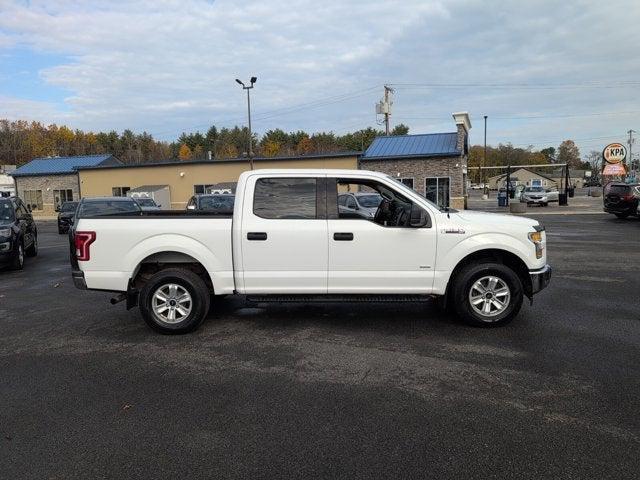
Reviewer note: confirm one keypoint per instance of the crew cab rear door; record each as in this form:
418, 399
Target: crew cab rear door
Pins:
284, 235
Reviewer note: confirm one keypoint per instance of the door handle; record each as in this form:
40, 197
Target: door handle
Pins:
256, 236
343, 237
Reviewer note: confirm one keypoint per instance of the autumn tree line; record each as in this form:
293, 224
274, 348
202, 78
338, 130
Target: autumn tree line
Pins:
22, 141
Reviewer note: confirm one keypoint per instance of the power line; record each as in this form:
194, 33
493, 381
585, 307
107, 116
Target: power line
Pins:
524, 86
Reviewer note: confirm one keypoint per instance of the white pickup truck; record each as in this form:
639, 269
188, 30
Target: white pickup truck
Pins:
287, 240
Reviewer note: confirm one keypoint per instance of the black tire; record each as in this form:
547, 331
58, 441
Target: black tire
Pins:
191, 283
61, 231
18, 260
32, 251
622, 215
462, 288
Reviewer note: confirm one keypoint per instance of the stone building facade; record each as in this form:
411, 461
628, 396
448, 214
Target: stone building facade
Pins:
434, 165
43, 193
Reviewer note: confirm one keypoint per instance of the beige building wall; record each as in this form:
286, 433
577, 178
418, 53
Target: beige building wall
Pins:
181, 177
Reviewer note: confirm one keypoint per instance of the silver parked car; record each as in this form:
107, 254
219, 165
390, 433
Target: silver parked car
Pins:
360, 204
537, 196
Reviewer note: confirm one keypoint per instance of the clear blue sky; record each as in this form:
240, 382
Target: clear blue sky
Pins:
543, 71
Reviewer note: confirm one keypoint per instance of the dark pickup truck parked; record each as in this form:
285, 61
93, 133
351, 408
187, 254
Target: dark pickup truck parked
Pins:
18, 233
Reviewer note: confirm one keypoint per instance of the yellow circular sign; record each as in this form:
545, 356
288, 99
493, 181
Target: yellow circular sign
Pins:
614, 153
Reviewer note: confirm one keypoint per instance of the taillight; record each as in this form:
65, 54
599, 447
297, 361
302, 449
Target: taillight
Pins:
82, 241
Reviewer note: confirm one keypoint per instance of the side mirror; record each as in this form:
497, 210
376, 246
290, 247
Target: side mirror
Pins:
158, 205
57, 208
418, 217
29, 208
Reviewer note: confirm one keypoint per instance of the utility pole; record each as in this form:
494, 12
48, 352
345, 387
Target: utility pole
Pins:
384, 107
630, 142
244, 87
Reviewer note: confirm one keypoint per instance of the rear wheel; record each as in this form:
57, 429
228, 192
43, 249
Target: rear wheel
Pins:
487, 294
622, 215
174, 301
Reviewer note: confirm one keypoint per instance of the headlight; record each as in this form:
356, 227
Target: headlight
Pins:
5, 232
536, 238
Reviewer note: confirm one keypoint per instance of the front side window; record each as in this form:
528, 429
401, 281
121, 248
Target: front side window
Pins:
376, 202
285, 198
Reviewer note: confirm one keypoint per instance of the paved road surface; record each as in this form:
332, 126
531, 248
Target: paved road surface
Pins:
326, 391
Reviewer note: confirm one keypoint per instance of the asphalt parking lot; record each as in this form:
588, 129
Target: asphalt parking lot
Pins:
325, 390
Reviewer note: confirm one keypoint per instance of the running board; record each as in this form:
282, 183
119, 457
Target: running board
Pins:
356, 298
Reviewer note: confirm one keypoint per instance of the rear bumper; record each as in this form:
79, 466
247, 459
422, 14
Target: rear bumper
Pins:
540, 279
78, 279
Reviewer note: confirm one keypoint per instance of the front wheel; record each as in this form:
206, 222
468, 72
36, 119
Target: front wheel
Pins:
174, 301
487, 294
622, 215
18, 259
32, 251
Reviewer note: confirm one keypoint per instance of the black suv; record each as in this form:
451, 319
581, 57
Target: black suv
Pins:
66, 213
621, 199
18, 233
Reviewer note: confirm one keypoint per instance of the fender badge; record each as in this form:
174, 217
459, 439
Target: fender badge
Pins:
453, 230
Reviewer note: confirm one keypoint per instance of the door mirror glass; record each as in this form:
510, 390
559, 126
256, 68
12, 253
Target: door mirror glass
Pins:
419, 217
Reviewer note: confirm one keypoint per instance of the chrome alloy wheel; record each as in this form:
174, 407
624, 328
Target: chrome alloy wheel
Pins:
21, 254
489, 296
171, 303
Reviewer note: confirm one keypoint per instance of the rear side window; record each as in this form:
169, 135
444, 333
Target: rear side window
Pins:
285, 198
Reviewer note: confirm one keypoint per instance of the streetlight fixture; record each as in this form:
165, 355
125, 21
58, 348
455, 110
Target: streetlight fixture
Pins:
247, 88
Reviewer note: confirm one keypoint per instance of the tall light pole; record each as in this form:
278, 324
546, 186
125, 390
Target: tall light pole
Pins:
244, 87
484, 158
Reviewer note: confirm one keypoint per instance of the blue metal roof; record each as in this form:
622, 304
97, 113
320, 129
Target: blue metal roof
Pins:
402, 146
62, 165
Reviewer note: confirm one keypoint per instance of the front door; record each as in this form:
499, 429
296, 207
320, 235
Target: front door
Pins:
381, 254
284, 236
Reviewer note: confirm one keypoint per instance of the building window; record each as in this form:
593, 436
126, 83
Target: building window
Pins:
200, 189
120, 191
536, 182
61, 196
285, 198
33, 198
437, 190
212, 188
407, 181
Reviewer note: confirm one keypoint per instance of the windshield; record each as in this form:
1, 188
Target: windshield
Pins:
534, 189
68, 206
217, 202
146, 202
108, 207
369, 201
7, 214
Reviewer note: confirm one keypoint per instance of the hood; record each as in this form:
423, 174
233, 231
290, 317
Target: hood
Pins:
486, 218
